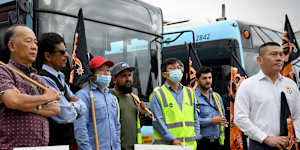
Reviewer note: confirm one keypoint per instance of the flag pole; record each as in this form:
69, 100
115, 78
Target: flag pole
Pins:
24, 76
219, 108
138, 102
94, 117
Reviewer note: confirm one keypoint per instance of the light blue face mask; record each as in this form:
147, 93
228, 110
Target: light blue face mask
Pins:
103, 80
175, 75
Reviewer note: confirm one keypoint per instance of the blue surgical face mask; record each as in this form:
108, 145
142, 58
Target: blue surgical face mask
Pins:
175, 75
103, 80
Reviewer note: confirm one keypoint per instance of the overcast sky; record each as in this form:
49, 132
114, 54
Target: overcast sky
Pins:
269, 13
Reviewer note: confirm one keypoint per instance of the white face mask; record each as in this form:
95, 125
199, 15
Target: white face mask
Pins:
103, 80
175, 75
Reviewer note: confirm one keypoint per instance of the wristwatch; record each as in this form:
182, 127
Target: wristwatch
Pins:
39, 107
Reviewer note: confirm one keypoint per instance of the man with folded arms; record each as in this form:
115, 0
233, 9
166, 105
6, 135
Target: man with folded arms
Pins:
23, 106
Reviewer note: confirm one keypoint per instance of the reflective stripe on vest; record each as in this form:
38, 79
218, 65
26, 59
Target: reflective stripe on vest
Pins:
187, 139
138, 126
163, 96
222, 134
118, 107
180, 122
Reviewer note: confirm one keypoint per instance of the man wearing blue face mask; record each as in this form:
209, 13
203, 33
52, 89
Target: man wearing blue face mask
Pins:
174, 107
106, 110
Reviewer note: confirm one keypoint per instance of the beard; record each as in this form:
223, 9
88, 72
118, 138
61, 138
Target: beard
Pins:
204, 87
124, 89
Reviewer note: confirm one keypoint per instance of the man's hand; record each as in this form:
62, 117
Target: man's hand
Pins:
51, 95
74, 98
280, 142
175, 142
50, 109
217, 120
141, 107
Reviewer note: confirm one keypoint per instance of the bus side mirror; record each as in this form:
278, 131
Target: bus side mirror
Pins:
24, 5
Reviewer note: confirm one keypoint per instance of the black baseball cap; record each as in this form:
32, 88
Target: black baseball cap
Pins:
119, 67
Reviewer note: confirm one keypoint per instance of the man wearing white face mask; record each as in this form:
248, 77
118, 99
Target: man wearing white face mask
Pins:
106, 110
174, 107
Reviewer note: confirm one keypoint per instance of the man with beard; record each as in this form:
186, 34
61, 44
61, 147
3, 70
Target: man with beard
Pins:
211, 121
129, 108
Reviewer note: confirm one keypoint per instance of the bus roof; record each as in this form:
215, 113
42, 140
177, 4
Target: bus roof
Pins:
5, 1
207, 32
227, 29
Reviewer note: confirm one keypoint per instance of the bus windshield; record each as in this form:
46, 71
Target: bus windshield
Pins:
117, 36
219, 45
212, 42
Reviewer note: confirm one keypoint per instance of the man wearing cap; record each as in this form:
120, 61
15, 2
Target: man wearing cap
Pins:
106, 110
130, 110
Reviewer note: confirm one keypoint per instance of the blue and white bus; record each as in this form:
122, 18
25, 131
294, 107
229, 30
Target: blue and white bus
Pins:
215, 43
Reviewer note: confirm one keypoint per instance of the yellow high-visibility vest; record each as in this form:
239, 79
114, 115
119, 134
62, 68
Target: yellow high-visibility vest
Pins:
118, 107
138, 125
222, 134
181, 123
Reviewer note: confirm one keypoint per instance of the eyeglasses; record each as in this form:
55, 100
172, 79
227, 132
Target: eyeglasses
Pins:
62, 51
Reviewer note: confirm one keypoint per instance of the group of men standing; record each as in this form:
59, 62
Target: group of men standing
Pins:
184, 117
117, 113
31, 116
257, 109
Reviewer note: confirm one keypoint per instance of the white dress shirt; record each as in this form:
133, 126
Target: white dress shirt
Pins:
257, 106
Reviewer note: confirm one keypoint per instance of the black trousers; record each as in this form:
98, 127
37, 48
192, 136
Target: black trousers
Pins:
207, 144
254, 145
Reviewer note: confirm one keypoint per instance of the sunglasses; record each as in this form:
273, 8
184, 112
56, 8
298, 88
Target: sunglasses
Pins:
62, 51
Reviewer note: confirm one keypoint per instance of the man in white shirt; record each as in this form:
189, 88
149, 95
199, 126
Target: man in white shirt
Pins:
257, 104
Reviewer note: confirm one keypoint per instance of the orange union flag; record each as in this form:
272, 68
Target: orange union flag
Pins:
237, 138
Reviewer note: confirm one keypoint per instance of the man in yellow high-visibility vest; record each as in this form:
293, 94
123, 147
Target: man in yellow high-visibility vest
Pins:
210, 103
174, 107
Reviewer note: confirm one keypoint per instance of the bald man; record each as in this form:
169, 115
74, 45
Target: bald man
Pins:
23, 106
